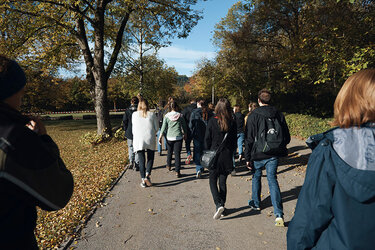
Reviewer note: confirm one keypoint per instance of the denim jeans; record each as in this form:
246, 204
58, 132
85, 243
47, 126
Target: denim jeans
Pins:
218, 194
198, 150
132, 155
164, 140
240, 139
271, 169
142, 161
174, 147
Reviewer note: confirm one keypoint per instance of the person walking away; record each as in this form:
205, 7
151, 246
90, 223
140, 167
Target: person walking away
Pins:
186, 114
240, 121
177, 128
337, 200
252, 106
198, 121
221, 126
127, 125
145, 127
32, 172
160, 115
266, 137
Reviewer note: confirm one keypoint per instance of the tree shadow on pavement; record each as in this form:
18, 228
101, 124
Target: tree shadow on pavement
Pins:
286, 196
231, 211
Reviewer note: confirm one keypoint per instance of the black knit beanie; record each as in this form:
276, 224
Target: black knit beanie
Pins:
12, 80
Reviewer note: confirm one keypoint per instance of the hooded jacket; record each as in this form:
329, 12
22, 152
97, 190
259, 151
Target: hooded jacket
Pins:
256, 122
31, 174
197, 125
175, 126
336, 204
127, 121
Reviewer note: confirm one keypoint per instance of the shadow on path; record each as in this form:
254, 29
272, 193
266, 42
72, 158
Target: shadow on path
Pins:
230, 211
285, 196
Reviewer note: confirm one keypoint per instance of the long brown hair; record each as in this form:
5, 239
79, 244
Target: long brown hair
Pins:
355, 103
204, 109
223, 112
143, 108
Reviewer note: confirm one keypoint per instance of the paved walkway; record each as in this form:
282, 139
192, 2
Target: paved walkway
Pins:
177, 213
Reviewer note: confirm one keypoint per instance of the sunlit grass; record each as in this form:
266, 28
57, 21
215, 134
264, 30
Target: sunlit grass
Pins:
93, 168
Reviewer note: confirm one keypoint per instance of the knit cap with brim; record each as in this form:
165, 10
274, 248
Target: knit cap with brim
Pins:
12, 80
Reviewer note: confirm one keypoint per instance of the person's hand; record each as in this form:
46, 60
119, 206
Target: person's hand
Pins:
249, 165
37, 125
185, 137
159, 140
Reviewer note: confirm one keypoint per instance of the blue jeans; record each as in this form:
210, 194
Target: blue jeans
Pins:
165, 142
240, 139
198, 150
132, 155
271, 169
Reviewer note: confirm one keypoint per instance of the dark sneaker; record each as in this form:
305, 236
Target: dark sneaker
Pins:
178, 174
224, 213
169, 168
218, 213
252, 205
279, 221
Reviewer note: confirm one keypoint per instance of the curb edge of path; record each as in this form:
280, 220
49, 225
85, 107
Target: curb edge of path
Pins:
66, 244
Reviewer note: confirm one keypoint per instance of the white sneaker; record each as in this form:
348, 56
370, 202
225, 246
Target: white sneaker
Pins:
199, 174
143, 184
218, 213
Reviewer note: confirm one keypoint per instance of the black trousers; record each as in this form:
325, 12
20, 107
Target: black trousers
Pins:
142, 161
174, 146
219, 193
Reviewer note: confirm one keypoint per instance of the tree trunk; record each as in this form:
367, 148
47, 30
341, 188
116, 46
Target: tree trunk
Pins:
103, 121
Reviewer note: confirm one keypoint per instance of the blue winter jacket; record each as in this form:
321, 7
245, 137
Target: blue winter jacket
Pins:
336, 205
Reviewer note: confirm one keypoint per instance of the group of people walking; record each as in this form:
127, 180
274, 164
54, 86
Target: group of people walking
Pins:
223, 129
334, 206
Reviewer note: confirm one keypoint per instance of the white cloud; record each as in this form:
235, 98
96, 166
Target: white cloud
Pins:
184, 60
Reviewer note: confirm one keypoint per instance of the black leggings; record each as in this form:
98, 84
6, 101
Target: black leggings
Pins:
174, 146
218, 194
142, 161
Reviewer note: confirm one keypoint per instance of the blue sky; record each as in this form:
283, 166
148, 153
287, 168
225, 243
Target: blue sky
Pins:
183, 54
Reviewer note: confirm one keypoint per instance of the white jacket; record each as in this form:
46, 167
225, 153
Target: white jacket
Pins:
144, 131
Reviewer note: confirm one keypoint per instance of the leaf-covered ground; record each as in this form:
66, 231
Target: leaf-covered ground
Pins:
93, 168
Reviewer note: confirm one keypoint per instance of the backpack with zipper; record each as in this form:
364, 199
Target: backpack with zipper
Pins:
270, 139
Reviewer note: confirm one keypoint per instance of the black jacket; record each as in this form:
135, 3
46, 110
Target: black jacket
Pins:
256, 122
197, 125
187, 113
31, 174
127, 121
214, 137
240, 121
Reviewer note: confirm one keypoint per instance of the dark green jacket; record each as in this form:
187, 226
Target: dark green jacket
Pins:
337, 200
31, 174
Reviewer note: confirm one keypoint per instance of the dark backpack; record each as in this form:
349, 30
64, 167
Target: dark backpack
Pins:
270, 139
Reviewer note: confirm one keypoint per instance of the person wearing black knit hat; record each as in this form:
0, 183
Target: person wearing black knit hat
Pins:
31, 170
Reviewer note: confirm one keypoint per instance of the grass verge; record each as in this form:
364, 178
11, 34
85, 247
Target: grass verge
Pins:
303, 126
93, 168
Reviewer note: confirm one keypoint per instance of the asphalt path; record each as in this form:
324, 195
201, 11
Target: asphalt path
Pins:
177, 213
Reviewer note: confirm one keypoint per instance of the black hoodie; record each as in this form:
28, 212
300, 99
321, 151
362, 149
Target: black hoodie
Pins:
255, 123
